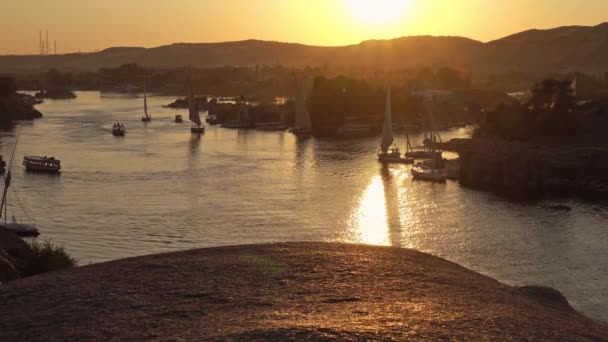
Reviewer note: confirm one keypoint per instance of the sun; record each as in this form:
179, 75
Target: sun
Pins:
378, 12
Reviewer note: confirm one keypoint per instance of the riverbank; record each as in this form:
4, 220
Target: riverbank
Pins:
532, 170
298, 291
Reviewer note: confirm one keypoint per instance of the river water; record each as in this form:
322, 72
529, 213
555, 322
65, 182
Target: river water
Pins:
160, 189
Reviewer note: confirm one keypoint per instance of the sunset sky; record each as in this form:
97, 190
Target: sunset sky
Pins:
89, 25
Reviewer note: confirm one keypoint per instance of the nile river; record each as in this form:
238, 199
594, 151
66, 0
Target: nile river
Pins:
160, 189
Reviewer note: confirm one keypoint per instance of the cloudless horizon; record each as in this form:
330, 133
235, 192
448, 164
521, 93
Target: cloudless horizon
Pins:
89, 25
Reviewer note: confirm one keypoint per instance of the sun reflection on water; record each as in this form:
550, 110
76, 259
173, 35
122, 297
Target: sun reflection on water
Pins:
369, 220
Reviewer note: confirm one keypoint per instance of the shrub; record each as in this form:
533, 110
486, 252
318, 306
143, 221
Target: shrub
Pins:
46, 257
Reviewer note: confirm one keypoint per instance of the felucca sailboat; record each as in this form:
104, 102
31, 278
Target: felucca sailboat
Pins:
434, 169
146, 117
197, 127
302, 125
389, 152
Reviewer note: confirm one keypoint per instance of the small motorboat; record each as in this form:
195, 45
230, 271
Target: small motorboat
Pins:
425, 173
42, 164
119, 130
178, 119
431, 170
212, 119
196, 129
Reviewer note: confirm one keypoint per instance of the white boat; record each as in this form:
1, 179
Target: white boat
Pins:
42, 164
302, 125
434, 169
389, 152
21, 229
147, 117
197, 127
429, 173
119, 130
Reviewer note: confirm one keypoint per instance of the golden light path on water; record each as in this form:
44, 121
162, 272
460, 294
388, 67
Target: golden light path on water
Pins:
381, 210
369, 220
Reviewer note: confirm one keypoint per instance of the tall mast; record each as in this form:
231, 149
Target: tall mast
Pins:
387, 128
7, 179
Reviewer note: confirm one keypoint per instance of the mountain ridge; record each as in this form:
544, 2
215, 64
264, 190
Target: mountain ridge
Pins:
566, 48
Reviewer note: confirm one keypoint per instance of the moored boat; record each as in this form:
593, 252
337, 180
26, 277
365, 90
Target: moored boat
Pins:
434, 169
424, 172
212, 119
389, 152
178, 119
42, 164
21, 229
302, 125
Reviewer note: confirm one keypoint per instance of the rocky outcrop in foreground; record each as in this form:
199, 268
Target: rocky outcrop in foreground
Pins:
301, 291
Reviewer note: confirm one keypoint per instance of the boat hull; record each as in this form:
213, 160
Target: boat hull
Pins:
420, 154
197, 130
395, 160
146, 119
429, 175
41, 164
301, 132
23, 230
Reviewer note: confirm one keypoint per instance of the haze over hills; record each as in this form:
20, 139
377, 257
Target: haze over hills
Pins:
563, 49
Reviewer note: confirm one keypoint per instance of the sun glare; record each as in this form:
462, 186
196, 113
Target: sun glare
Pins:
378, 12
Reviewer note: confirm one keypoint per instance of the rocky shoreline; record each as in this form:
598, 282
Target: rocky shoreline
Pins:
519, 169
18, 107
293, 291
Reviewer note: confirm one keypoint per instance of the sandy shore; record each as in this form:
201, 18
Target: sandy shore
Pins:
301, 291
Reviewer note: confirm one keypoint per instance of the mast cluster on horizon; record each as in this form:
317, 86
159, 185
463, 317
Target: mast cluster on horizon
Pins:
44, 45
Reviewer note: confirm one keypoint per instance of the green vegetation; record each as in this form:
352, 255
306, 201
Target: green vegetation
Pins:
45, 257
549, 113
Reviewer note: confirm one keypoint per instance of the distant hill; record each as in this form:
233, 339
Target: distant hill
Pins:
561, 49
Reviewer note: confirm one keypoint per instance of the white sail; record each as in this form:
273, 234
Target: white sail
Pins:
387, 128
193, 106
302, 120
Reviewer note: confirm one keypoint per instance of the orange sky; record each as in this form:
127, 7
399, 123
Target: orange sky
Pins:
88, 25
